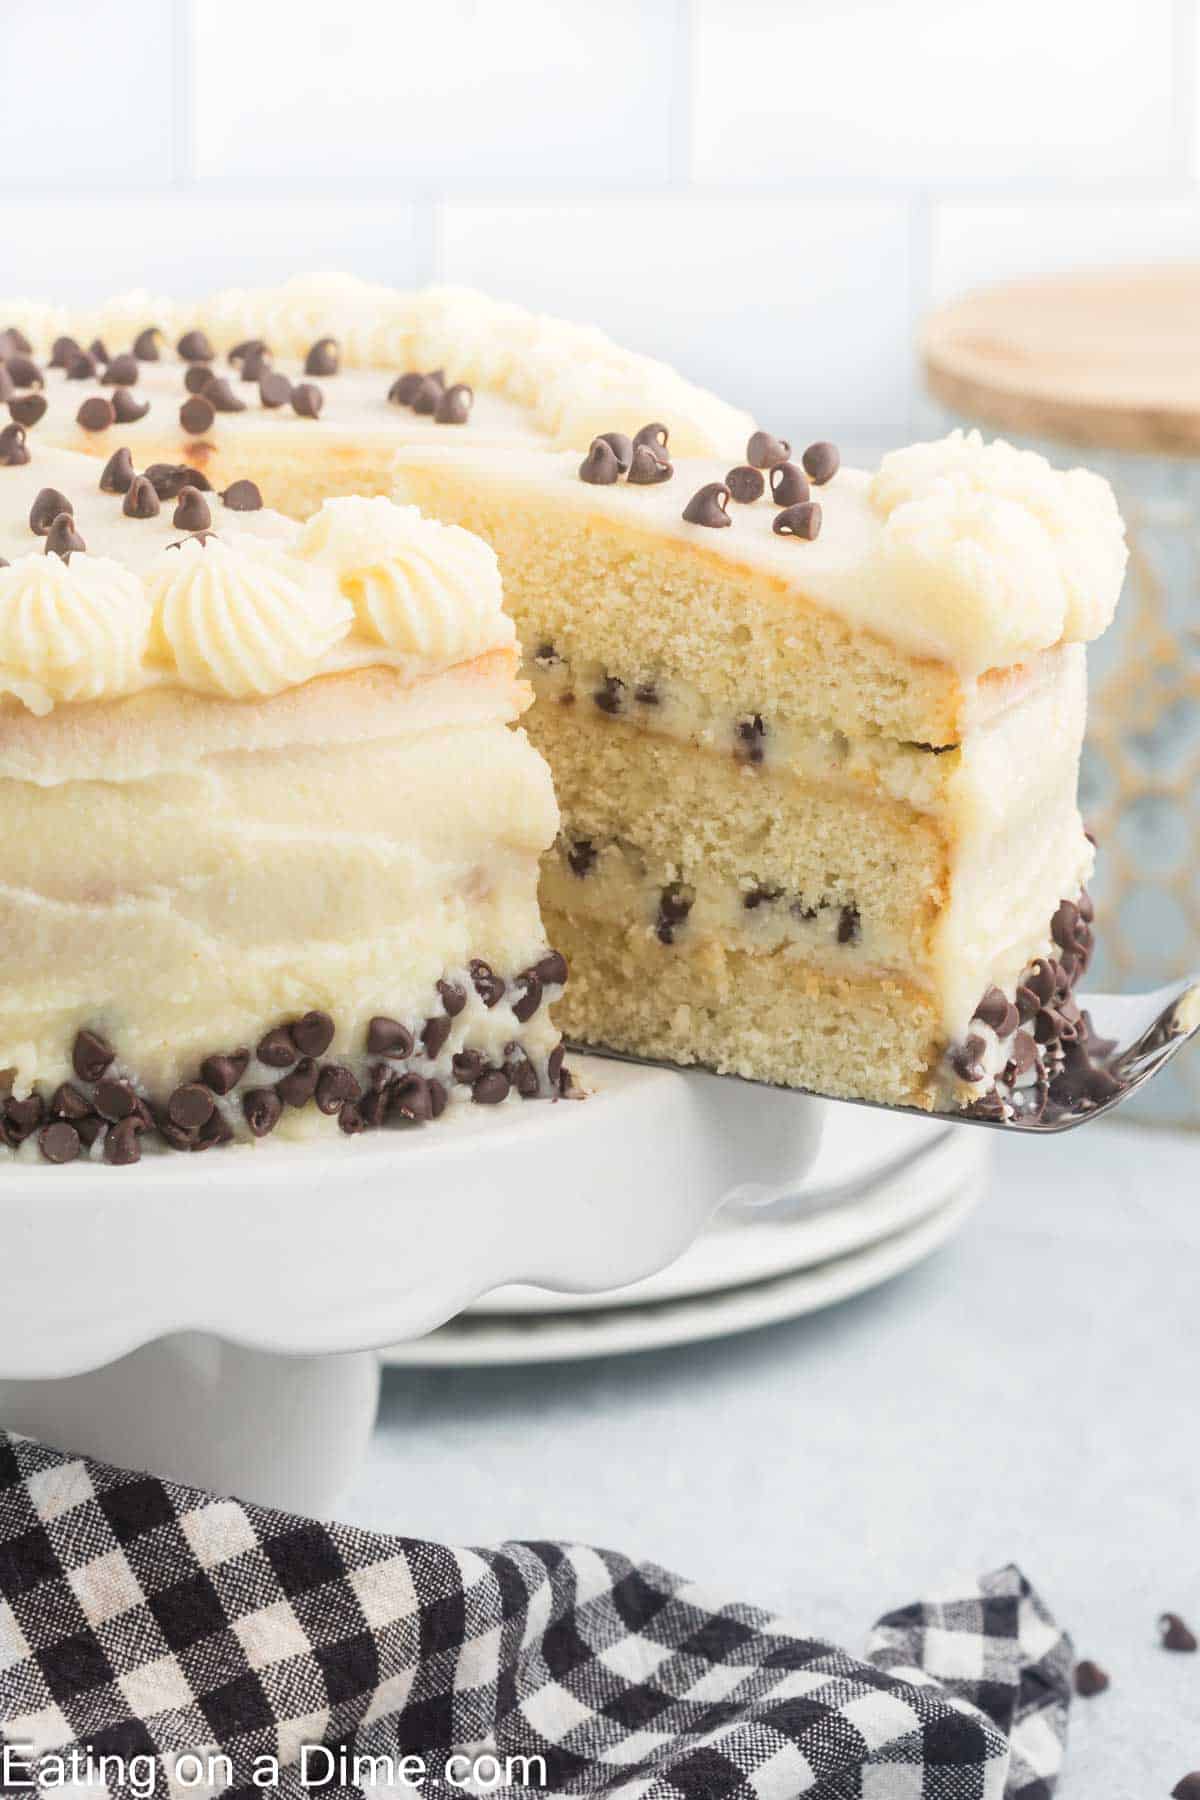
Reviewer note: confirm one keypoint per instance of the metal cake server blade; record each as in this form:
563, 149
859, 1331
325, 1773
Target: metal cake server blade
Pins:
1132, 1037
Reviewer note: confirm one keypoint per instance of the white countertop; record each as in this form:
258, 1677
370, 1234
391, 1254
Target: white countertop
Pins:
1031, 1394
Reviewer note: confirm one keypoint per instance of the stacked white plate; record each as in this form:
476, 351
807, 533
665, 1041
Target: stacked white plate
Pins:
885, 1192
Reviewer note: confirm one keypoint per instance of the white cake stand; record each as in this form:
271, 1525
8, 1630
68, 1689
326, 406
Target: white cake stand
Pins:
215, 1318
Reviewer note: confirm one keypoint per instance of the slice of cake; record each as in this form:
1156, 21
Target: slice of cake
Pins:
815, 735
314, 385
270, 843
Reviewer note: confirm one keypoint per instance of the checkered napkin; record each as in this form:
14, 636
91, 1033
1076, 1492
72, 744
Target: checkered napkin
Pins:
143, 1620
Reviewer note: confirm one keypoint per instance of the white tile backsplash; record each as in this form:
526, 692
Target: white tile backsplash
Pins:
766, 192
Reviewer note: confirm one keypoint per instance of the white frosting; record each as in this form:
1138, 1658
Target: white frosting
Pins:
416, 585
240, 624
72, 630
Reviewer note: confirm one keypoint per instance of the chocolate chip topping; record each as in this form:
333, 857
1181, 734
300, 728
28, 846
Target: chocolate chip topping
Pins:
387, 1037
127, 409
708, 505
600, 467
1188, 1787
221, 396
520, 1071
59, 1142
61, 352
247, 350
621, 447
307, 400
255, 362
22, 1117
190, 1106
121, 1145
8, 386
803, 521
13, 342
529, 996
750, 735
551, 971
194, 346
115, 1100
335, 1086
454, 407
91, 1055
488, 985
299, 1084
998, 1012
608, 695
23, 372
192, 513
141, 501
198, 377
277, 1049
145, 344
27, 409
849, 925
242, 496
222, 1072
197, 414
14, 452
789, 486
967, 1060
581, 857
1090, 1679
313, 1033
655, 434
274, 389
468, 1066
648, 468
117, 475
821, 462
674, 905
434, 1033
405, 388
95, 414
325, 357
98, 349
453, 997
62, 539
169, 479
81, 366
764, 450
491, 1088
745, 484
122, 371
262, 1109
429, 391
1176, 1634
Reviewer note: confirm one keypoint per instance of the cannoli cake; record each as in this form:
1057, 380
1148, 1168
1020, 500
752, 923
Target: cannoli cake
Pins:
815, 735
270, 843
313, 386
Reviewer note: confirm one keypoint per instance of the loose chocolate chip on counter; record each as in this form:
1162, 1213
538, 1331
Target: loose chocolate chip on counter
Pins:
620, 445
468, 1065
122, 371
190, 1106
405, 388
648, 468
141, 501
222, 1072
434, 1033
62, 351
429, 392
454, 407
608, 695
1187, 1787
849, 925
91, 1055
600, 467
197, 414
1176, 1635
655, 435
488, 985
750, 735
95, 414
299, 1084
24, 372
529, 997
789, 485
82, 367
62, 539
581, 857
307, 400
387, 1037
59, 1142
122, 1144
242, 496
764, 450
274, 389
708, 505
453, 997
821, 462
145, 344
491, 1088
194, 346
263, 1109
117, 475
1090, 1679
277, 1049
14, 452
127, 409
192, 512
411, 1099
745, 484
324, 358
27, 409
673, 908
803, 521
551, 971
221, 396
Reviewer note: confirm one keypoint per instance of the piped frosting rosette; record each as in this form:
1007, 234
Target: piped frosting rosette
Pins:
70, 630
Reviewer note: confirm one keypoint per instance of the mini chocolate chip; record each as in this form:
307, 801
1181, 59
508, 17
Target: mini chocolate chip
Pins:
62, 539
246, 348
141, 501
14, 452
262, 1109
438, 1098
655, 435
410, 1098
428, 393
620, 445
221, 396
336, 1085
454, 407
300, 1084
122, 1144
755, 897
1187, 1787
99, 349
82, 367
274, 389
114, 1100
277, 1048
68, 1102
434, 1033
849, 925
608, 696
24, 1116
223, 1072
648, 468
60, 1142
145, 344
95, 414
745, 484
554, 1063
581, 857
488, 985
242, 496
307, 400
324, 358
530, 997
551, 971
821, 462
91, 1055
405, 388
789, 486
190, 1106
196, 415
194, 346
350, 1119
13, 342
255, 363
8, 386
192, 512
803, 521
750, 734
708, 504
468, 1065
24, 372
387, 1037
170, 479
454, 997
122, 371
27, 409
62, 350
1176, 1635
994, 1009
1090, 1679
491, 1088
127, 409
673, 909
600, 467
764, 450
117, 475
520, 1071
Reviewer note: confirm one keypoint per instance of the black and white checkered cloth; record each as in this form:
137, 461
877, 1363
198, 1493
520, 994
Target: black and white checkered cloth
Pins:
143, 1622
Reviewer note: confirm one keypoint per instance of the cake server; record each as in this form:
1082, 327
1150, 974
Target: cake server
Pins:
1132, 1038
